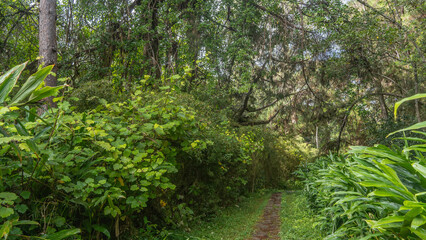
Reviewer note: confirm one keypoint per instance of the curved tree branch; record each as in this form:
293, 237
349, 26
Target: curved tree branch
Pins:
261, 122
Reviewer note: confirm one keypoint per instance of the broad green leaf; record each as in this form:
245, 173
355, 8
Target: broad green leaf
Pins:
8, 197
20, 127
384, 193
420, 132
59, 221
44, 93
26, 222
4, 150
5, 212
412, 127
21, 208
9, 79
390, 219
159, 130
393, 177
412, 139
31, 84
63, 234
5, 140
387, 222
417, 96
351, 199
420, 148
420, 232
105, 145
420, 168
375, 184
378, 152
347, 192
5, 229
102, 229
25, 194
420, 194
414, 204
418, 221
412, 213
371, 236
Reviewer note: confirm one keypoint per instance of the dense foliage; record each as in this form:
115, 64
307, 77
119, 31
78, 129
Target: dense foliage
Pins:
325, 70
99, 171
173, 109
372, 192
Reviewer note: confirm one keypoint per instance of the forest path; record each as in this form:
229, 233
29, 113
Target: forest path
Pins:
269, 225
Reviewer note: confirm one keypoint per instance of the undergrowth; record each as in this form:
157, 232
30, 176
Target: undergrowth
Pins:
234, 222
297, 221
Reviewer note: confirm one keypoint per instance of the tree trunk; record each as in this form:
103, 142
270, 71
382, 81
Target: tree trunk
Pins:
155, 42
151, 49
47, 41
383, 107
416, 90
316, 137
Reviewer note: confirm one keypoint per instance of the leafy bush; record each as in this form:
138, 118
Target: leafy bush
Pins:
101, 170
104, 164
86, 95
372, 192
17, 140
274, 165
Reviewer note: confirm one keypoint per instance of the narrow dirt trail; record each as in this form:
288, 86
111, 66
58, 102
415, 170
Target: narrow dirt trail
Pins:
269, 225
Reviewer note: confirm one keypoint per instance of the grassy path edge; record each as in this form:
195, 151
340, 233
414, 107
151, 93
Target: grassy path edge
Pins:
235, 222
297, 220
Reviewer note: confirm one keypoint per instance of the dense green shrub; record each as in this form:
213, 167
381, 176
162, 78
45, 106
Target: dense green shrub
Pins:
376, 133
102, 170
15, 193
372, 192
86, 95
274, 165
104, 164
162, 156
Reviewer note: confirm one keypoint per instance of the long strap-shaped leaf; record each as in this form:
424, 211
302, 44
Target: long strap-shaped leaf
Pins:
44, 93
417, 96
8, 80
31, 84
416, 126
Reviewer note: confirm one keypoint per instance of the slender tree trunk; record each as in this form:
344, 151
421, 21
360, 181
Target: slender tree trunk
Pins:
151, 49
383, 107
155, 41
47, 41
316, 137
416, 89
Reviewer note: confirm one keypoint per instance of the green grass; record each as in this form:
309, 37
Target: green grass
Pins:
235, 222
297, 220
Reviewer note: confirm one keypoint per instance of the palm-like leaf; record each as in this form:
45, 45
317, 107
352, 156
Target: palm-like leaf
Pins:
9, 79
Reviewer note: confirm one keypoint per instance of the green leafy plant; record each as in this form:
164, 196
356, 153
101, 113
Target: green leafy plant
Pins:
15, 133
31, 91
372, 192
101, 169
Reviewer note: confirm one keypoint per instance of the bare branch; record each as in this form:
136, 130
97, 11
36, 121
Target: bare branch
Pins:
262, 122
283, 19
261, 108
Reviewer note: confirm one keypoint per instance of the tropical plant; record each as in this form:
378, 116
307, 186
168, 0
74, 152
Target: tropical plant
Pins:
15, 133
373, 191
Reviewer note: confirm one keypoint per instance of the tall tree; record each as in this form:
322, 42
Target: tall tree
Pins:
47, 40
